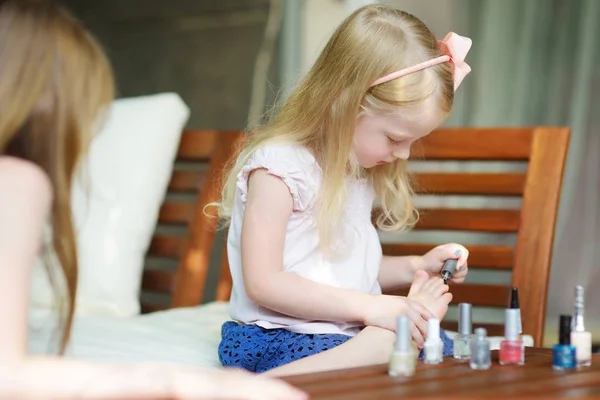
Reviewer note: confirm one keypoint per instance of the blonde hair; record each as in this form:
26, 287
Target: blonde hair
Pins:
54, 81
322, 112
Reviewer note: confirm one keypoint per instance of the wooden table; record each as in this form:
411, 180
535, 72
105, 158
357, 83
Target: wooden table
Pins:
454, 378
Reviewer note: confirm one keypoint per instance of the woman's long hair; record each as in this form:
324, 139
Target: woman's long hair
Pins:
54, 82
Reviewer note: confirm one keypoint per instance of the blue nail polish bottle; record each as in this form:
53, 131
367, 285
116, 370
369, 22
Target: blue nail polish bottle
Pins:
563, 354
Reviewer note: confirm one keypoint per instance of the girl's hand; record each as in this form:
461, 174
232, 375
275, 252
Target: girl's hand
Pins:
383, 310
433, 261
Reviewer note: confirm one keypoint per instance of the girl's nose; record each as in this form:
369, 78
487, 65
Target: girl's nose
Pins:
402, 153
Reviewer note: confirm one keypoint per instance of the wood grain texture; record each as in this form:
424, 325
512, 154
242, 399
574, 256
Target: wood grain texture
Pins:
480, 256
454, 379
543, 148
198, 145
157, 280
481, 220
187, 181
492, 329
465, 219
482, 184
192, 273
176, 213
535, 239
488, 144
482, 295
203, 153
167, 246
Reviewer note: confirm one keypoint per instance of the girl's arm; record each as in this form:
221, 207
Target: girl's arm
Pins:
397, 272
269, 206
25, 201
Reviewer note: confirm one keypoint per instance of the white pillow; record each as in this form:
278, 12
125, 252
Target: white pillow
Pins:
116, 201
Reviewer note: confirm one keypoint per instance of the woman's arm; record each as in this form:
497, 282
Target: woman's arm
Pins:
25, 202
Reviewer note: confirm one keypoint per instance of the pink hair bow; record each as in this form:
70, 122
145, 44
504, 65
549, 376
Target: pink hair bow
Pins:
455, 49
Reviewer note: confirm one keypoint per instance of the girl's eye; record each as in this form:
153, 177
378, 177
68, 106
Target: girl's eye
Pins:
394, 141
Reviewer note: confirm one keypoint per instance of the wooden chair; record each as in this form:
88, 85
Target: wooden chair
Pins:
178, 258
544, 150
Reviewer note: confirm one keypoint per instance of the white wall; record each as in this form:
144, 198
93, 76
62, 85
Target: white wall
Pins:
321, 18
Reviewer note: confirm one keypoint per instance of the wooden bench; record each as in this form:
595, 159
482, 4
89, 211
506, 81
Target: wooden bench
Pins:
178, 260
544, 150
184, 251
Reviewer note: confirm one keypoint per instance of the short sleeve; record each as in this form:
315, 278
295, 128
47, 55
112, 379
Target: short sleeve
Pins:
294, 165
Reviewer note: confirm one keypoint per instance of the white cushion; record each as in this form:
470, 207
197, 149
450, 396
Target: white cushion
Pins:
183, 335
116, 201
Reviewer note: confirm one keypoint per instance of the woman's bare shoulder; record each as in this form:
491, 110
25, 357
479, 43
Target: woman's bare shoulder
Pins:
20, 177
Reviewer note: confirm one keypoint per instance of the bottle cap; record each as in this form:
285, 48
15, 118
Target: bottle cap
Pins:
511, 324
433, 329
449, 268
465, 326
402, 334
564, 329
579, 298
514, 298
480, 333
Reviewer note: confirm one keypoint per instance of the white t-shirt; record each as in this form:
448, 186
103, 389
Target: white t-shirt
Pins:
357, 270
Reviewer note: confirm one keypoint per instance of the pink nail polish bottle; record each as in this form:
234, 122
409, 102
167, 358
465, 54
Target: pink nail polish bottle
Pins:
512, 349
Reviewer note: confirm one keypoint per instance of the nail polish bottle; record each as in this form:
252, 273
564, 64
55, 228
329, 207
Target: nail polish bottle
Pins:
580, 338
481, 354
462, 349
514, 303
512, 348
434, 346
404, 356
563, 353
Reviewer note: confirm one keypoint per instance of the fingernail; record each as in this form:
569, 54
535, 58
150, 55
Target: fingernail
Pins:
457, 252
459, 268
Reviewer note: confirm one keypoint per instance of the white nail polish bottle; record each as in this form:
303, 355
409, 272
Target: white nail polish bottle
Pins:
434, 346
580, 338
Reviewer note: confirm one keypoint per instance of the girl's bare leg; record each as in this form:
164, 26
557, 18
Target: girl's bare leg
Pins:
370, 346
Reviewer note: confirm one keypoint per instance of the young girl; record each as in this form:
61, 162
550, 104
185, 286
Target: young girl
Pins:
306, 261
54, 82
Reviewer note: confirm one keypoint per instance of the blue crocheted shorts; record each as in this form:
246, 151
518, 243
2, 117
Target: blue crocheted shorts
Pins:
257, 349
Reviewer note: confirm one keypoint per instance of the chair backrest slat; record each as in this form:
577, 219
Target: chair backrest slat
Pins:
179, 253
487, 144
529, 227
462, 183
527, 255
480, 256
